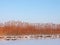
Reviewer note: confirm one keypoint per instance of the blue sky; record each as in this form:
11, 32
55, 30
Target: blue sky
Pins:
30, 10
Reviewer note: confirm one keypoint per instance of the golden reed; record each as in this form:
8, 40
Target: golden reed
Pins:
20, 30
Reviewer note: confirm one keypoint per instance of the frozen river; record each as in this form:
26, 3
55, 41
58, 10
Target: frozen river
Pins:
32, 42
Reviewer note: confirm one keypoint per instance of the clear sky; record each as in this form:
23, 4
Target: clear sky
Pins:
30, 10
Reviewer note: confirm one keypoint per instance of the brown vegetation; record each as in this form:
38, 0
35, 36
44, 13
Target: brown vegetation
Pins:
20, 28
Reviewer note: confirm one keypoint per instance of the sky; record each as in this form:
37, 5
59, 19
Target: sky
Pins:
37, 11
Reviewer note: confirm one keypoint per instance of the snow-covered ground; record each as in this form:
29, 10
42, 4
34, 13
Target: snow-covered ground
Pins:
29, 37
